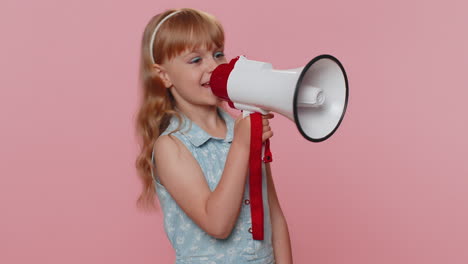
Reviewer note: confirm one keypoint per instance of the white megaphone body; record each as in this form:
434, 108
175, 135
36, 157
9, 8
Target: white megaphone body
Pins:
315, 97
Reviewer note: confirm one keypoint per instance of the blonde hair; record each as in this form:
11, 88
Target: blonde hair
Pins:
185, 30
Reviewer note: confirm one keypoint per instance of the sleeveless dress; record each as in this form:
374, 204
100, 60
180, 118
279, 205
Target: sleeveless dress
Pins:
192, 245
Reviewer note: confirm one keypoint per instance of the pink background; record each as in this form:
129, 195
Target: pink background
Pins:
388, 187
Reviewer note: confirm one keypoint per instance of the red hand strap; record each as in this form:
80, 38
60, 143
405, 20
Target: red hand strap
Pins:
255, 178
268, 157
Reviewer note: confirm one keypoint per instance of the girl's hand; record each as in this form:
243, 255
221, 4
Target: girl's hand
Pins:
242, 130
267, 133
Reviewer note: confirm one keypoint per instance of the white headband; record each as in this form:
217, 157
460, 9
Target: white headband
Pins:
153, 36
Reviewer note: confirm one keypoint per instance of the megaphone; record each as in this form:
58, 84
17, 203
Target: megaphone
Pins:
314, 97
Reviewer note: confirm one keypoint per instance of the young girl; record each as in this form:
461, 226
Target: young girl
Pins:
194, 155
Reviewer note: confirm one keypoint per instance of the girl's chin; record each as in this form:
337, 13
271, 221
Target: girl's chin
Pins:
216, 102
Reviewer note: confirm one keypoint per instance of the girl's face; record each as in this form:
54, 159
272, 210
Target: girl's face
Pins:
189, 75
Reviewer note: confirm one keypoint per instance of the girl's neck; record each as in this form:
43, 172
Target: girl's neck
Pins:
206, 117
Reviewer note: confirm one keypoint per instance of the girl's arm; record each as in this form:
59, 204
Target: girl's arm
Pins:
280, 233
215, 212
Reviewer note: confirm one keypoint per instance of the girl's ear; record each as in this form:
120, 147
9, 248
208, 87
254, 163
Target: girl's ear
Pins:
161, 73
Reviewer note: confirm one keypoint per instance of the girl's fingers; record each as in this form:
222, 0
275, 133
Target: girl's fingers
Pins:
267, 135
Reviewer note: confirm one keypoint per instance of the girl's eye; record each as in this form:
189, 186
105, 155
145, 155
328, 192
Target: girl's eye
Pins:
219, 54
195, 60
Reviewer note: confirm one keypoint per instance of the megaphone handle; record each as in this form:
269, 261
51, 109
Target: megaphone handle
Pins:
246, 113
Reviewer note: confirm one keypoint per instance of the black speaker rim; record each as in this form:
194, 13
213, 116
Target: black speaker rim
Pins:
296, 92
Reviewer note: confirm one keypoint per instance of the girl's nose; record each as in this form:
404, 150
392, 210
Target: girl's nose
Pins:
212, 65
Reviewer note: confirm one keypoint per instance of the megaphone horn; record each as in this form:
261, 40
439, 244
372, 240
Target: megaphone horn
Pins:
314, 97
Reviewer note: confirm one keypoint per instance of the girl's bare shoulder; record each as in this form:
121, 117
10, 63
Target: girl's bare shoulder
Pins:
173, 158
170, 146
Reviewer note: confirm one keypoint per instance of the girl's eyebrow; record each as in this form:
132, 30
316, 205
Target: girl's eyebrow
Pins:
188, 54
199, 51
194, 51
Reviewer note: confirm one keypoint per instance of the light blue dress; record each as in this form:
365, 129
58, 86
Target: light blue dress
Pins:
193, 245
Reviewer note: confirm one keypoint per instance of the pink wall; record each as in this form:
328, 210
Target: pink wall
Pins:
388, 187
